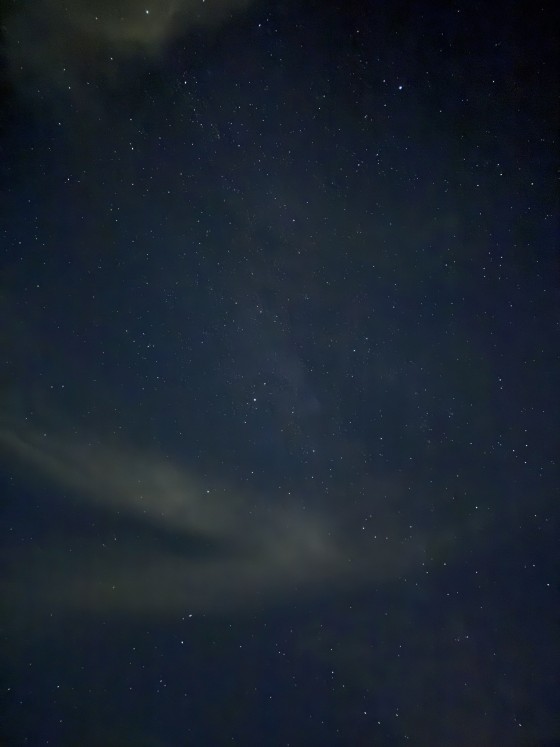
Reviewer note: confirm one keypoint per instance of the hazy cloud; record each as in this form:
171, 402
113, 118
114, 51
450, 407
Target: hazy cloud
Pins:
258, 549
64, 44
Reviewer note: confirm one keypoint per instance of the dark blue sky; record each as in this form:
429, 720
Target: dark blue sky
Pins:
279, 404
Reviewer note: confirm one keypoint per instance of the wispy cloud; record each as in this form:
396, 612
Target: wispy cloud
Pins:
70, 44
257, 550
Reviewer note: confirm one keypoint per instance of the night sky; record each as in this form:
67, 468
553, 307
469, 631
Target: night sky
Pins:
279, 366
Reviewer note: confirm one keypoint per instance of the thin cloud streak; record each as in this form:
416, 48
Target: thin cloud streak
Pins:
271, 549
64, 45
